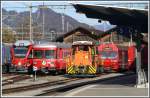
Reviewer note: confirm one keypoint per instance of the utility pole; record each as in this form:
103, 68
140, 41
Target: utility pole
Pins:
62, 16
30, 21
22, 31
131, 38
43, 20
67, 26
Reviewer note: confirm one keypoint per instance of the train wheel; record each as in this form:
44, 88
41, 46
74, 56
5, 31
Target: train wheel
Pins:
63, 71
44, 70
53, 73
56, 73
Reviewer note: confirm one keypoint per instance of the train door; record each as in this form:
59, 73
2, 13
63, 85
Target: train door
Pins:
131, 57
30, 62
59, 58
123, 59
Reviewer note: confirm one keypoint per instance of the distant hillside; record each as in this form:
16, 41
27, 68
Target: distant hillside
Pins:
104, 26
53, 20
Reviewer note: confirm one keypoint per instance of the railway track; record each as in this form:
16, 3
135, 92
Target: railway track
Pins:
56, 91
35, 86
15, 79
9, 74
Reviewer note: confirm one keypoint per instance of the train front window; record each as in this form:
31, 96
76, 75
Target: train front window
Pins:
83, 48
112, 55
104, 55
50, 54
38, 54
20, 52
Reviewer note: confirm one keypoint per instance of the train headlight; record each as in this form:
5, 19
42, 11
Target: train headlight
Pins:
19, 63
86, 57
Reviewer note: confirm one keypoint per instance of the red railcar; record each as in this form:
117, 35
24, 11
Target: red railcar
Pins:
49, 57
20, 53
116, 57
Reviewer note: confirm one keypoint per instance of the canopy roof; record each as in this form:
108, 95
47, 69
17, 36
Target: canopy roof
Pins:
117, 16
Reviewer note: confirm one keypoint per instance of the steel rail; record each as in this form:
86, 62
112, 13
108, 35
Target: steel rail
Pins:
35, 86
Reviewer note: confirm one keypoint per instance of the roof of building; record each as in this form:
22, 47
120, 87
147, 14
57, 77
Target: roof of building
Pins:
92, 33
116, 16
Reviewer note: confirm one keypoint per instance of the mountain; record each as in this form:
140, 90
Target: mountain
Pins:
53, 20
104, 26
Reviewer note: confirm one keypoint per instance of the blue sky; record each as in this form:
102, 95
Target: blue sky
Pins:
12, 5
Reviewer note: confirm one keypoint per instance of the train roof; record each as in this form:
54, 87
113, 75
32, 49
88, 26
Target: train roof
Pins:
126, 44
7, 44
44, 46
83, 43
23, 43
52, 45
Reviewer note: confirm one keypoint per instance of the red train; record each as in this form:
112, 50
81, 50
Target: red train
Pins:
20, 53
49, 57
116, 57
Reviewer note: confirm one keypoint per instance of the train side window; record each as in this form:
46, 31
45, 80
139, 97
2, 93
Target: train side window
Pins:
84, 48
93, 51
30, 54
38, 54
97, 50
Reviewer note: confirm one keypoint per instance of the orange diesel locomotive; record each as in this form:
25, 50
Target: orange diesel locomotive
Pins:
49, 57
116, 57
82, 59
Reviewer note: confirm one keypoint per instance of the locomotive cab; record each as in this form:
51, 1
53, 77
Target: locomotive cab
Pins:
82, 59
19, 53
108, 57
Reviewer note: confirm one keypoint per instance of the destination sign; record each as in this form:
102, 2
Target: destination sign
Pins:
107, 48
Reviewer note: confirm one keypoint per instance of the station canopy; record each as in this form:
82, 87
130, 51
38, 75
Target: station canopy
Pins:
117, 16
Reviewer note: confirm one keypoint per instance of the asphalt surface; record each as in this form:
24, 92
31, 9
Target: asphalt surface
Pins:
122, 86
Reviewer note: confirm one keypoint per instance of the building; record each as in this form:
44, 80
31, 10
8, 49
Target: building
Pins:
80, 34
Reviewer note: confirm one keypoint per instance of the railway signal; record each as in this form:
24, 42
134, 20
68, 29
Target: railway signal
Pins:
35, 69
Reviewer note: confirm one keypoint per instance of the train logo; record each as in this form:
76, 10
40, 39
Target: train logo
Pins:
43, 62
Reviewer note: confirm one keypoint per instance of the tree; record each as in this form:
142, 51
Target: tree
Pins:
7, 36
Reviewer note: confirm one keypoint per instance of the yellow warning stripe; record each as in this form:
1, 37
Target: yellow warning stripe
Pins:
70, 70
92, 69
70, 67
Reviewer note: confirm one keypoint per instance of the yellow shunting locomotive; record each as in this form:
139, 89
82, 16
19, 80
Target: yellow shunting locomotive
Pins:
83, 58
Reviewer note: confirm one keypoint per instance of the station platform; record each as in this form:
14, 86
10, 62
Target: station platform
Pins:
93, 90
121, 86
